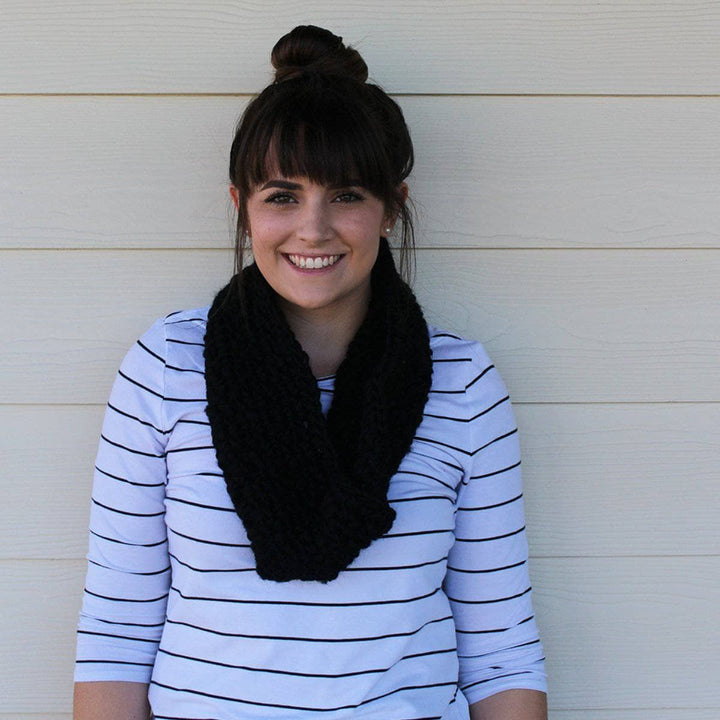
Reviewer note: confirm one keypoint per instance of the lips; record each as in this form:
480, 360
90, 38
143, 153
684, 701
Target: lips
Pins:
313, 262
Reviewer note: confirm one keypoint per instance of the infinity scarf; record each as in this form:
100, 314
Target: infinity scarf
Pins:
311, 490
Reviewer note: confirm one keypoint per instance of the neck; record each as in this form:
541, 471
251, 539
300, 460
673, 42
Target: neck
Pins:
325, 335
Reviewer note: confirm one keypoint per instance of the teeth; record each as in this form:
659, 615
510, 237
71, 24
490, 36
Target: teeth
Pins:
313, 263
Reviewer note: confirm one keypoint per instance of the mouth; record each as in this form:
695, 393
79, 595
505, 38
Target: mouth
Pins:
313, 262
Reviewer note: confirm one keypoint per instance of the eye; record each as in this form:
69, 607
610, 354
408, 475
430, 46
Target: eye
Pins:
349, 196
279, 198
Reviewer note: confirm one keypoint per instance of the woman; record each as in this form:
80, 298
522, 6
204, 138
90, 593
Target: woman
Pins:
307, 503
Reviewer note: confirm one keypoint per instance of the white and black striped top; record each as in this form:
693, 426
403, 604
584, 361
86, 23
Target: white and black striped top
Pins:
172, 597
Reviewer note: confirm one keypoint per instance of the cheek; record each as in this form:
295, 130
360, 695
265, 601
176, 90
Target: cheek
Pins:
366, 227
266, 230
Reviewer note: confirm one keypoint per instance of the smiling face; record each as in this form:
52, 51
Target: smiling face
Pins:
316, 245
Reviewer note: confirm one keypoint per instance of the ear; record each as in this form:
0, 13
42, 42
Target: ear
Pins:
389, 220
235, 195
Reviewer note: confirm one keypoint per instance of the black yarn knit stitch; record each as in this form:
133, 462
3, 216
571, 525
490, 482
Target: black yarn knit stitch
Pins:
312, 491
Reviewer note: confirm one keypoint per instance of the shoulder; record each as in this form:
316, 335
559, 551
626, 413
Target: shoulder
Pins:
186, 323
466, 385
176, 338
458, 363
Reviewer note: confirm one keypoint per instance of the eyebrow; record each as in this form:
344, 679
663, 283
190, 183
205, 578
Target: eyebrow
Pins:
283, 184
287, 185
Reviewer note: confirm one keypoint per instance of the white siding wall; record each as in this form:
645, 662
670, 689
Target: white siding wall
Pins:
567, 181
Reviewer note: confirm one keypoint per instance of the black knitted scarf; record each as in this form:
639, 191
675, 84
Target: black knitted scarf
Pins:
312, 490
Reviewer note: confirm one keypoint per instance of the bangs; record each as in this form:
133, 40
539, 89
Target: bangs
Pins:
319, 136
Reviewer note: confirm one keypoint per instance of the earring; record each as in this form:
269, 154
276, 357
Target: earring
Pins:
388, 230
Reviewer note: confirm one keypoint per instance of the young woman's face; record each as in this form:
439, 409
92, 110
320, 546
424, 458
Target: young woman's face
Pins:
316, 245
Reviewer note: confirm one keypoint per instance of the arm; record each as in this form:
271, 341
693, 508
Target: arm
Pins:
501, 659
128, 574
511, 705
110, 701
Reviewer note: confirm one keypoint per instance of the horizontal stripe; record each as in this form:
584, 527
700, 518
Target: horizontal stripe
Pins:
462, 450
157, 394
185, 342
470, 419
446, 463
190, 370
129, 449
396, 567
122, 599
125, 512
301, 707
210, 570
305, 603
415, 533
396, 501
124, 542
137, 419
125, 480
494, 630
140, 385
445, 335
183, 320
495, 472
121, 637
306, 639
488, 570
150, 352
490, 507
275, 671
495, 677
191, 449
429, 477
208, 542
115, 662
145, 625
494, 537
493, 600
129, 572
200, 505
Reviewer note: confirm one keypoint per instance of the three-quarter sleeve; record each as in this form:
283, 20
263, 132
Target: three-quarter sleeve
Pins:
487, 580
128, 572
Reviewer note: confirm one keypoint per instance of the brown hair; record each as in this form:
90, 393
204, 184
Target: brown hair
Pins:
320, 119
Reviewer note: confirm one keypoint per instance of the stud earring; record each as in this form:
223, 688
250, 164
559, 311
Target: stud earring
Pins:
388, 230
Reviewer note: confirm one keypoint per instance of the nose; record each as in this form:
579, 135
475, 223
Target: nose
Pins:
315, 224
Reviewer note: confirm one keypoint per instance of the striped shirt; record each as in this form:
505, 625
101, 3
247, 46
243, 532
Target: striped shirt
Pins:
441, 602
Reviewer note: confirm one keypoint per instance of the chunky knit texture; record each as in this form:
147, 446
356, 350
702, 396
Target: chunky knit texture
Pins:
312, 491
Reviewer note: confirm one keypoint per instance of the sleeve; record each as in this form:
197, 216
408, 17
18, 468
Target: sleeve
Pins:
487, 581
128, 574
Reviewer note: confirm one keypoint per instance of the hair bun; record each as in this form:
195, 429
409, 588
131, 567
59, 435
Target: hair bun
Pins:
308, 48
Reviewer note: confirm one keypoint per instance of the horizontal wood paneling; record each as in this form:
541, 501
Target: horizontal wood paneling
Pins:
490, 172
619, 632
40, 601
621, 480
541, 46
599, 480
563, 325
609, 626
35, 716
644, 714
